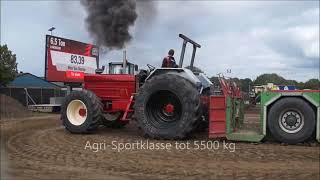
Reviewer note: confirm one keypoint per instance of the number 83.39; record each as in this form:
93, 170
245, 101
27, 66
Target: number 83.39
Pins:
77, 59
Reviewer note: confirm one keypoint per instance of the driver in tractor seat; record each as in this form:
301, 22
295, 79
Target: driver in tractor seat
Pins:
168, 61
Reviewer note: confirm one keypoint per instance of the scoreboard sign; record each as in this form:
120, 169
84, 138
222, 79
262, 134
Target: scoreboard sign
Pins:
68, 60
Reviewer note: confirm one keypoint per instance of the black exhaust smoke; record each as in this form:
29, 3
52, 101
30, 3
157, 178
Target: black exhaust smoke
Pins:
108, 21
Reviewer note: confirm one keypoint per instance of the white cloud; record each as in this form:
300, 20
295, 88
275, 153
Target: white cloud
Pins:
307, 37
250, 37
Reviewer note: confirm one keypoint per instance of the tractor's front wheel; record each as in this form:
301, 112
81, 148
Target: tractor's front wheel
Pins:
81, 112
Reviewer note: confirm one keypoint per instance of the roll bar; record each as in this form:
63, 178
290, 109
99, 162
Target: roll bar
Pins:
184, 44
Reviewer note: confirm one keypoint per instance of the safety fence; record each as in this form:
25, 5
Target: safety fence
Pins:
31, 96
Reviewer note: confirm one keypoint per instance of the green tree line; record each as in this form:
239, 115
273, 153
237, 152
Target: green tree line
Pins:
274, 78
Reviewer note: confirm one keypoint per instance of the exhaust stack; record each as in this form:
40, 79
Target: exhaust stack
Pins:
124, 65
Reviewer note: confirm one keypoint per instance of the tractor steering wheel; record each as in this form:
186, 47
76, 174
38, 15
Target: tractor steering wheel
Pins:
151, 67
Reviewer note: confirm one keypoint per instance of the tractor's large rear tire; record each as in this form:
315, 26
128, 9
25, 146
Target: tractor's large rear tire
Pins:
81, 112
291, 120
167, 107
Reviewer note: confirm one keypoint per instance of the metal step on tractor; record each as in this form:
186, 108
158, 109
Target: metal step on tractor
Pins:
173, 103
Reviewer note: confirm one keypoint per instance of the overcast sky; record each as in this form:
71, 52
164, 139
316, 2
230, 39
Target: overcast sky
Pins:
248, 37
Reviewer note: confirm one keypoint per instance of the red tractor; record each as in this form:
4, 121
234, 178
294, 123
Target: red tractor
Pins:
167, 103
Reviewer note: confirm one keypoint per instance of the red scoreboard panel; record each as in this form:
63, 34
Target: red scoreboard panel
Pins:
68, 60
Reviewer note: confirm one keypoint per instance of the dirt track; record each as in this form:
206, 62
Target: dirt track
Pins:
42, 149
